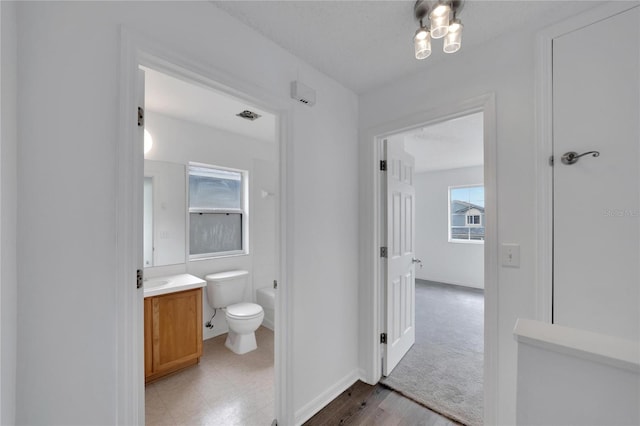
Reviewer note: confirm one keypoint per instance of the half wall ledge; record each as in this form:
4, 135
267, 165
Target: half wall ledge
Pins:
601, 348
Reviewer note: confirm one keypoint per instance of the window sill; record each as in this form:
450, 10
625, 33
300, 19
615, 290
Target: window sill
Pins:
223, 256
475, 242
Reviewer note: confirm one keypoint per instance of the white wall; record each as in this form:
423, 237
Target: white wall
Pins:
592, 393
443, 261
595, 376
179, 142
325, 256
505, 67
68, 127
8, 214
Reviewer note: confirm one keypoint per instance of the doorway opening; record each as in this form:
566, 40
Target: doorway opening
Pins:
443, 369
205, 158
374, 265
137, 52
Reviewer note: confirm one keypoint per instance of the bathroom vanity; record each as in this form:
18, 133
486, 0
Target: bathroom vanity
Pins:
172, 324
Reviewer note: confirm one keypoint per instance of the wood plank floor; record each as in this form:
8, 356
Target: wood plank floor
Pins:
363, 404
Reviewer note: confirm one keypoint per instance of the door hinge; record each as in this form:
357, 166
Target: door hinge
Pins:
139, 278
551, 160
383, 252
140, 116
275, 283
383, 165
383, 338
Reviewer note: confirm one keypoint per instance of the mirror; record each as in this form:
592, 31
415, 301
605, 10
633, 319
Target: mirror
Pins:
164, 213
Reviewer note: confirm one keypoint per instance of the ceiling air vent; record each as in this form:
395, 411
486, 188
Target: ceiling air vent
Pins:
249, 115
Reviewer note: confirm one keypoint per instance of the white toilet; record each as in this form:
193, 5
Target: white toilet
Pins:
225, 290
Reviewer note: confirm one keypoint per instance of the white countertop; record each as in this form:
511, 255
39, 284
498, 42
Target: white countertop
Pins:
171, 284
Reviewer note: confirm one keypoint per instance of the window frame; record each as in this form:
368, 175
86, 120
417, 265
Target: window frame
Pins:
466, 218
243, 211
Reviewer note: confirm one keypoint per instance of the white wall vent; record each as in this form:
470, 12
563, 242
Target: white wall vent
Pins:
302, 93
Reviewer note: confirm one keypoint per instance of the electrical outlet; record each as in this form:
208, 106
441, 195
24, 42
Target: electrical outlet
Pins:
511, 255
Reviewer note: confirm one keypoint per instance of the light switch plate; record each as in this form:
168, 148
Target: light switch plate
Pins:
511, 255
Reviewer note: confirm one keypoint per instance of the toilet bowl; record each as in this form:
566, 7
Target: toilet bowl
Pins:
225, 291
243, 320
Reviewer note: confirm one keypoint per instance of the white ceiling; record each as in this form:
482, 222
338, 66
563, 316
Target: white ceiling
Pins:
176, 98
364, 44
361, 44
448, 145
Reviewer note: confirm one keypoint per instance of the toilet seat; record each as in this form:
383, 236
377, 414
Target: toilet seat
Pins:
244, 311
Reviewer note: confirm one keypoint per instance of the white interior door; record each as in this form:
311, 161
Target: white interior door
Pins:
596, 200
400, 285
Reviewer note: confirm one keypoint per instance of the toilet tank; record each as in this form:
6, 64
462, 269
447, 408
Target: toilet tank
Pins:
226, 288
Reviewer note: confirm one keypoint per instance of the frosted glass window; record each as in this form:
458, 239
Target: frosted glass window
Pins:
215, 232
217, 212
466, 213
214, 189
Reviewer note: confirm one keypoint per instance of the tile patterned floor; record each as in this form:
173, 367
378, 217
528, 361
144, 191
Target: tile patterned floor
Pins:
224, 389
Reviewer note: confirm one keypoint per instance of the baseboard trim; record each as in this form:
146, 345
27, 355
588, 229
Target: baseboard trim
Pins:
362, 376
319, 402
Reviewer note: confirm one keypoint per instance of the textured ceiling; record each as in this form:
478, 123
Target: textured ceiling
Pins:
365, 44
448, 145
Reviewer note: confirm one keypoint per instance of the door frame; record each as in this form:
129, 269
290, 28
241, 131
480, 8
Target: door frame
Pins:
372, 237
543, 281
136, 50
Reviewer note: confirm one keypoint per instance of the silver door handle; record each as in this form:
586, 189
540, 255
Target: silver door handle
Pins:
414, 260
572, 156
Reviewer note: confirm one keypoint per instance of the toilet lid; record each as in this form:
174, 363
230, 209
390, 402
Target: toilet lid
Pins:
244, 310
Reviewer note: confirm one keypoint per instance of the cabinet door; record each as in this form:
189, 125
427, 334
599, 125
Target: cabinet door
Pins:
148, 337
177, 329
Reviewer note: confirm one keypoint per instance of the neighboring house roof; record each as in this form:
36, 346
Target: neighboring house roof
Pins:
463, 206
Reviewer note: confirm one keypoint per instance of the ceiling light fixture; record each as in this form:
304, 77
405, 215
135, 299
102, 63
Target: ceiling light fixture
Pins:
148, 141
443, 23
422, 42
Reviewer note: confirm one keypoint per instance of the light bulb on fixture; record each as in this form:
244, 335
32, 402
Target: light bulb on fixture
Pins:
422, 43
453, 39
421, 33
439, 17
148, 141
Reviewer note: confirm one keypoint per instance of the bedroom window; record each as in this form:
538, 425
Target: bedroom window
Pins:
218, 215
466, 214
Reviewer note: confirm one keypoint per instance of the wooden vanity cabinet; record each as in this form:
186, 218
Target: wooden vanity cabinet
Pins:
172, 332
148, 338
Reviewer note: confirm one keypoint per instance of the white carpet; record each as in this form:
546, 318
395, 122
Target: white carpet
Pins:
444, 368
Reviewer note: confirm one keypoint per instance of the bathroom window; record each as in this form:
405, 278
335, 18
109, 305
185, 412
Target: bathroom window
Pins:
218, 214
466, 214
